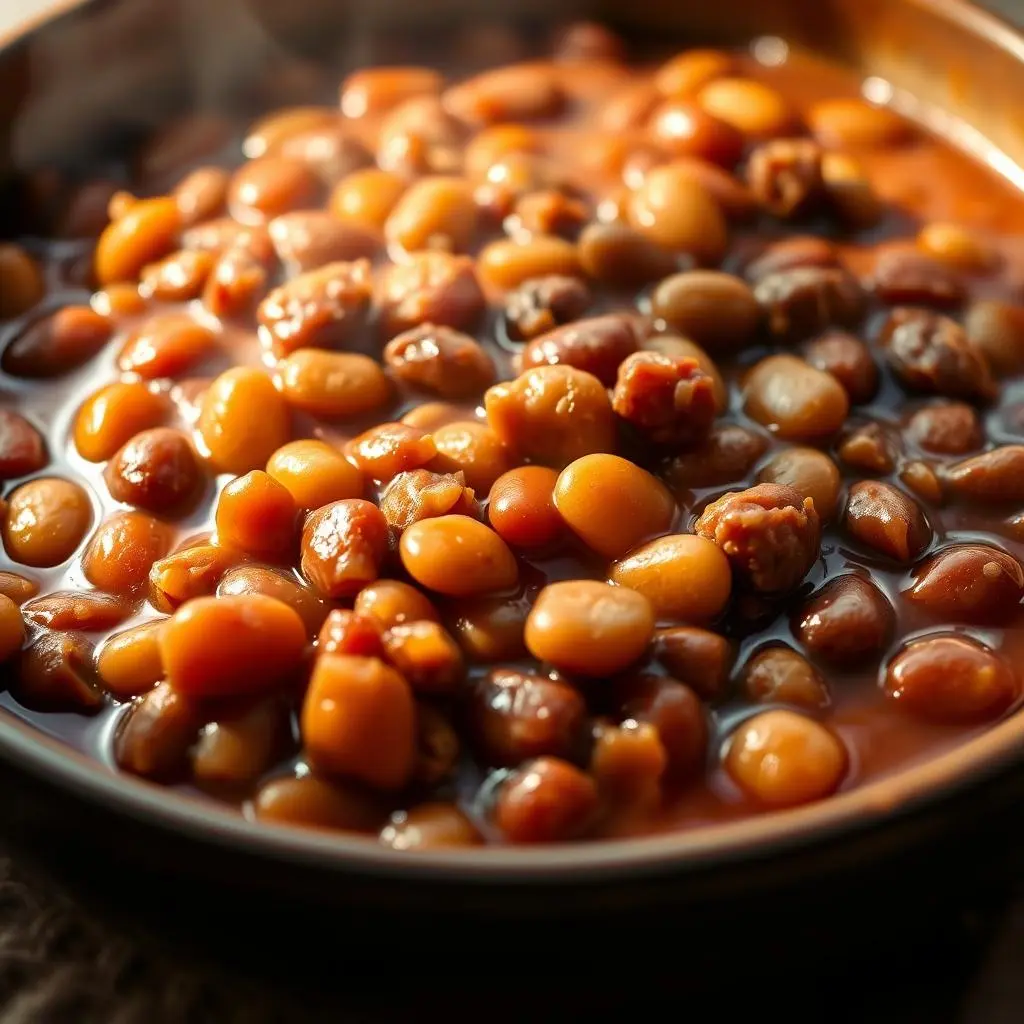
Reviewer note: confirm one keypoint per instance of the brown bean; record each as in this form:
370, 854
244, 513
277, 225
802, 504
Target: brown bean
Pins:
45, 521
374, 90
343, 546
346, 632
552, 414
438, 747
950, 428
313, 802
627, 762
147, 231
908, 277
686, 129
792, 253
677, 211
22, 449
420, 494
786, 177
612, 504
969, 583
523, 92
997, 330
167, 345
420, 136
191, 572
596, 345
384, 451
507, 263
119, 301
266, 135
55, 673
621, 256
780, 675
491, 629
314, 473
951, 679
237, 747
472, 449
433, 213
868, 449
929, 352
57, 343
846, 123
430, 287
725, 456
330, 152
426, 656
753, 108
178, 277
807, 300
236, 284
335, 385
697, 657
359, 721
156, 736
457, 556
521, 507
922, 480
770, 534
440, 360
514, 716
718, 311
122, 551
991, 478
129, 663
322, 308
430, 826
847, 622
17, 588
22, 284
114, 414
849, 360
884, 518
87, 611
810, 473
851, 194
236, 440
589, 628
269, 186
794, 399
546, 800
782, 759
366, 197
687, 72
677, 348
543, 303
393, 603
955, 246
257, 515
307, 239
157, 470
260, 641
201, 195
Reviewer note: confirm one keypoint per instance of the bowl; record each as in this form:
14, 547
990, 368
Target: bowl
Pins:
93, 79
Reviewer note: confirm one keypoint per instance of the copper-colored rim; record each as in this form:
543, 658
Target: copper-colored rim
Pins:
746, 839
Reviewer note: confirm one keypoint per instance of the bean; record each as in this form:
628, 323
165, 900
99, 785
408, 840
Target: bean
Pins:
541, 304
687, 72
420, 494
515, 716
696, 657
343, 547
952, 680
473, 450
393, 603
17, 587
521, 509
546, 800
808, 300
552, 415
725, 456
921, 479
312, 802
677, 348
997, 330
434, 213
55, 673
191, 572
596, 345
178, 277
677, 211
154, 740
909, 277
847, 622
122, 552
236, 440
118, 301
957, 247
22, 284
260, 641
314, 473
887, 520
851, 194
751, 107
147, 231
239, 746
849, 360
457, 556
612, 504
780, 675
438, 747
114, 414
792, 253
374, 90
810, 473
716, 310
359, 721
969, 583
167, 345
426, 656
868, 449
786, 177
321, 308
508, 263
430, 826
87, 611
490, 630
844, 123
547, 211
421, 136
267, 134
523, 92
950, 428
686, 129
201, 195
781, 759
22, 449
929, 352
991, 478
57, 343
46, 520
330, 152
627, 763
685, 578
129, 663
254, 579
256, 514
794, 399
366, 197
236, 284
307, 239
384, 451
770, 534
589, 628
430, 287
265, 188
156, 470
440, 360
345, 632
12, 629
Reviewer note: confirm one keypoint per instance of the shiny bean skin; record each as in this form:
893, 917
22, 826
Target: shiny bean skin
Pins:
521, 507
393, 603
887, 520
547, 800
314, 473
969, 583
12, 629
716, 310
430, 827
335, 385
45, 521
343, 547
797, 401
810, 473
129, 663
122, 552
848, 621
114, 414
257, 515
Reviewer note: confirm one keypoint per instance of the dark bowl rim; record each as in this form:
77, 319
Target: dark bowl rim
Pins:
28, 747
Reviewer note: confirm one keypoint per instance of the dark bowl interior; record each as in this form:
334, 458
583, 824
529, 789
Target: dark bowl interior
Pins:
86, 88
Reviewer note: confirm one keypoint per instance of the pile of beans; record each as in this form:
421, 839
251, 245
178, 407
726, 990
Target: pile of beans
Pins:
572, 450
